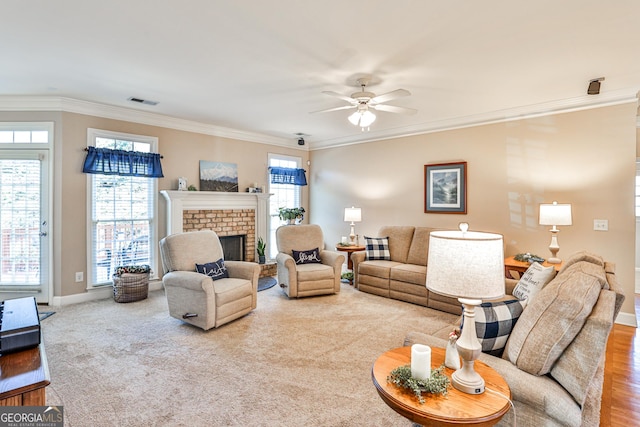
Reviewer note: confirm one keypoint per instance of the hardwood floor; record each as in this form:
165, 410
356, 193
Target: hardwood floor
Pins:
620, 405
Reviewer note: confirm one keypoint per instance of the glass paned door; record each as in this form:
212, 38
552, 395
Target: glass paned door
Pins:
23, 225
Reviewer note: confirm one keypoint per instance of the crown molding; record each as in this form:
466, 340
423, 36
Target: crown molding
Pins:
71, 105
49, 103
517, 113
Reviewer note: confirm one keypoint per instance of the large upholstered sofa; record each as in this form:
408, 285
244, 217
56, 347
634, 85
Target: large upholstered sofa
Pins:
403, 276
554, 357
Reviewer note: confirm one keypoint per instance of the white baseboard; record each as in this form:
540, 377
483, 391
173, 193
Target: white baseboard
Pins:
627, 319
96, 294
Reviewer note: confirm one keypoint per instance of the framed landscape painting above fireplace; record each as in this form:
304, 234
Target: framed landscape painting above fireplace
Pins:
445, 188
218, 176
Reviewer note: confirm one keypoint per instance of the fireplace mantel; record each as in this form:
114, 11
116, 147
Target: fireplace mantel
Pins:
179, 201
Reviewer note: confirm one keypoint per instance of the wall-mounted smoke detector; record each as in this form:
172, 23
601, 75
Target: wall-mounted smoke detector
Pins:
142, 101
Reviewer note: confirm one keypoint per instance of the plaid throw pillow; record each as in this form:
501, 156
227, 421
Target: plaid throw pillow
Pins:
216, 270
378, 248
494, 322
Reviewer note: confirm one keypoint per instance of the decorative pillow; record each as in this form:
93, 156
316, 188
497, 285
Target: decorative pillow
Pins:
216, 270
554, 317
494, 322
135, 269
533, 280
378, 248
307, 257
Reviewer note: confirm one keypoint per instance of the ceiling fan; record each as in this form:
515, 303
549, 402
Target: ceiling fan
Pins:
364, 101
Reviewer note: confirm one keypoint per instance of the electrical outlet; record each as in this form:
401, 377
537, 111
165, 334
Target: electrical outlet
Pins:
601, 224
79, 276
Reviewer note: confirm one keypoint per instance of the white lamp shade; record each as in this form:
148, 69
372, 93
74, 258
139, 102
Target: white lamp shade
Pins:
352, 214
555, 213
466, 264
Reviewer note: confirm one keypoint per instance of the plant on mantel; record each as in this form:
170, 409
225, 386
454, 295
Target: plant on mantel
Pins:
291, 214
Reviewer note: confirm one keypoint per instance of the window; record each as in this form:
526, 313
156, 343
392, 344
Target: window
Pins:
25, 133
122, 225
284, 196
25, 186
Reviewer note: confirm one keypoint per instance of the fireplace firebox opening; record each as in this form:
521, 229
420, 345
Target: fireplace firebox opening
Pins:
233, 247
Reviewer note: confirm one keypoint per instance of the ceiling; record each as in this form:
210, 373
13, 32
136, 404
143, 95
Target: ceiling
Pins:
261, 66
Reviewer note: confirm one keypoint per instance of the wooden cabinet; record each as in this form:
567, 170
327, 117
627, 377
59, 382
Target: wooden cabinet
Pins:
23, 377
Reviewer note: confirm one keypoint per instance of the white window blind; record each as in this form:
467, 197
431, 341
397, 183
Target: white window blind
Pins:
283, 196
123, 210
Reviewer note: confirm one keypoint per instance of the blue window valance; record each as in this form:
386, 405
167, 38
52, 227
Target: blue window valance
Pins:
124, 163
287, 176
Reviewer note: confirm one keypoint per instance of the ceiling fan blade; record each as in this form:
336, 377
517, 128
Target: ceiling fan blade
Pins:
346, 107
398, 93
394, 109
338, 95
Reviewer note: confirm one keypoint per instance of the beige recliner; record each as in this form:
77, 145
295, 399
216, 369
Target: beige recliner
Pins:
194, 297
303, 280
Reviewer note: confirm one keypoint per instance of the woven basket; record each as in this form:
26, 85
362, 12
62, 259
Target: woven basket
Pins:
129, 287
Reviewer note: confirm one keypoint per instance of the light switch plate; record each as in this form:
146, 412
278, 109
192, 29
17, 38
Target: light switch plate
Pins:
601, 224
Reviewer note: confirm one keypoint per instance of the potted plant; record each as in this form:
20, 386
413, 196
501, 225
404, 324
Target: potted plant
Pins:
291, 215
260, 247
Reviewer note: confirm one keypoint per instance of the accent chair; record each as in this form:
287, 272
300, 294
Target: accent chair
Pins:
305, 268
197, 298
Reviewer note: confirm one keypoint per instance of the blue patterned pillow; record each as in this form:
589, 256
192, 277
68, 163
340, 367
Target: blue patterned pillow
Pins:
307, 257
494, 322
378, 248
216, 270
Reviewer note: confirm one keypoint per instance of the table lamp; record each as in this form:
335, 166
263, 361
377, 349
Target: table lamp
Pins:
354, 215
467, 265
555, 214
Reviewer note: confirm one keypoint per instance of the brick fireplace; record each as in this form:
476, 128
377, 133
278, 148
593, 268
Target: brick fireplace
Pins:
228, 214
225, 222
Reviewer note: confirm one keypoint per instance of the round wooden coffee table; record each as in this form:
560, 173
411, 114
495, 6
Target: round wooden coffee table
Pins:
456, 408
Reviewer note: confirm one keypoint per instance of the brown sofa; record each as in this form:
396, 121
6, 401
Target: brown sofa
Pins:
554, 357
404, 276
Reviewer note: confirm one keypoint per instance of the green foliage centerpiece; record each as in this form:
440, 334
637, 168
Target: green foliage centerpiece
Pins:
291, 214
438, 382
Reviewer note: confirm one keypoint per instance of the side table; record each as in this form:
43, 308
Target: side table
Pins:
456, 408
349, 250
520, 267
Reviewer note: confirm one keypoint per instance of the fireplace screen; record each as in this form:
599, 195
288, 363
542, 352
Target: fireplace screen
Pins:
233, 247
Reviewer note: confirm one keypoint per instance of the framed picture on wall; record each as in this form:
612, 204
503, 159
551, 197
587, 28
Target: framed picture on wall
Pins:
445, 188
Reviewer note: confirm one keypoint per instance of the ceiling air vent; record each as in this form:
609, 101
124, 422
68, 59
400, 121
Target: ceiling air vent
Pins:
142, 101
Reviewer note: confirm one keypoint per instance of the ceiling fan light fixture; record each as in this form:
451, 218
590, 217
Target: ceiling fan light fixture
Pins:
367, 119
362, 118
355, 118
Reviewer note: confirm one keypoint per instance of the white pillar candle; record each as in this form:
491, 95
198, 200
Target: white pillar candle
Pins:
420, 361
344, 240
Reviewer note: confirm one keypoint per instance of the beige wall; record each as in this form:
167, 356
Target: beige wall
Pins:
182, 152
585, 158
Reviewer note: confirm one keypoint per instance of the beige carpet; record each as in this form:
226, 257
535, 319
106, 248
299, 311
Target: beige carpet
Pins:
300, 362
